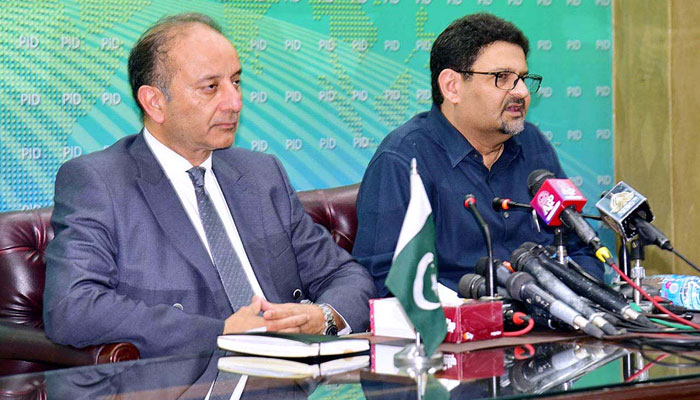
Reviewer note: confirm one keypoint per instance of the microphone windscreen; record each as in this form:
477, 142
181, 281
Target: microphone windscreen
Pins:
522, 254
516, 282
482, 265
472, 286
536, 179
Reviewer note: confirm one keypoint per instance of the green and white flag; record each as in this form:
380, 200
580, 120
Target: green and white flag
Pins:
413, 274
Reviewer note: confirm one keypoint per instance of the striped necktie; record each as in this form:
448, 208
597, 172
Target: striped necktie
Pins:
226, 261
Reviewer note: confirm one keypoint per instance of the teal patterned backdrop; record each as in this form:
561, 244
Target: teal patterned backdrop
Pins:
324, 80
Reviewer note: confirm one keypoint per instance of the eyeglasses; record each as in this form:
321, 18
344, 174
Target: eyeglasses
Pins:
507, 80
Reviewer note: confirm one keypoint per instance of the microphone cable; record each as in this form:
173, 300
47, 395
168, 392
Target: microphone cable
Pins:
646, 368
611, 263
520, 318
687, 261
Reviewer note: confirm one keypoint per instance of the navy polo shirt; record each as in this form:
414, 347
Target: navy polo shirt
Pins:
451, 168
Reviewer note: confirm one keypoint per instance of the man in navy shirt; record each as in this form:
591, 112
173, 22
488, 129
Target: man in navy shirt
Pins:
473, 140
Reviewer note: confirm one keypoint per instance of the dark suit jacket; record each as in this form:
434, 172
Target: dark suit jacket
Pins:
125, 252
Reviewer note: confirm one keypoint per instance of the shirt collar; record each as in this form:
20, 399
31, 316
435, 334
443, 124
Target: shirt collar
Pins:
170, 161
457, 146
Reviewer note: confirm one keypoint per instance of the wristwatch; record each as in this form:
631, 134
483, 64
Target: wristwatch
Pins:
329, 328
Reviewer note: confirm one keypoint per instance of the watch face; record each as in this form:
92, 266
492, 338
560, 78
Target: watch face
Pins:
332, 330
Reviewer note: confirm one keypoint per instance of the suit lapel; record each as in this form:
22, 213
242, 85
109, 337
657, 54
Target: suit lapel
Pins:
170, 214
244, 203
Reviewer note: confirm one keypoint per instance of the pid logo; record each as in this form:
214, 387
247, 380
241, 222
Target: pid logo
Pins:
110, 44
574, 135
360, 45
602, 91
392, 95
30, 153
258, 97
327, 143
259, 145
359, 95
326, 95
361, 142
292, 45
29, 99
28, 42
71, 152
545, 92
327, 44
603, 134
573, 91
423, 45
423, 94
576, 180
603, 45
544, 45
293, 144
573, 45
604, 180
258, 44
111, 99
73, 99
392, 45
70, 43
293, 96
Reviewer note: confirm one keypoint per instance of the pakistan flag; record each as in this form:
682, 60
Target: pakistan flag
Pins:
413, 274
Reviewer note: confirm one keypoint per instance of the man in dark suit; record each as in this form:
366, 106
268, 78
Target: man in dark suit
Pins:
163, 239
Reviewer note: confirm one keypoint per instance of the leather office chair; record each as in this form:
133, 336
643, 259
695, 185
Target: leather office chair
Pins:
334, 208
24, 236
24, 347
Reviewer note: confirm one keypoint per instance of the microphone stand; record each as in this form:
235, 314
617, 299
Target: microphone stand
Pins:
470, 204
559, 244
638, 272
624, 257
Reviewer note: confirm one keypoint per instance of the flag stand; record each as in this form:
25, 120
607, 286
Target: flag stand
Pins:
413, 360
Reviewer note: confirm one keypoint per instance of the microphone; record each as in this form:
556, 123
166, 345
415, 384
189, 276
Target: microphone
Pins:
473, 286
526, 374
541, 373
521, 286
557, 202
627, 212
525, 260
587, 288
503, 204
470, 204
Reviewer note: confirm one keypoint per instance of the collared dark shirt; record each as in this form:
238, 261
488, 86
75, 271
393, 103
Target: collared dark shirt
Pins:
451, 168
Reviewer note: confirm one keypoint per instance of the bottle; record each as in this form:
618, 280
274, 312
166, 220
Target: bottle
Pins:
681, 290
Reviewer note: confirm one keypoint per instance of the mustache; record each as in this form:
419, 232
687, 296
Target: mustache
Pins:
517, 101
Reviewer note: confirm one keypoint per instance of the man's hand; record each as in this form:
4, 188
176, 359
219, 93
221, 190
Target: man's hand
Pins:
248, 317
283, 313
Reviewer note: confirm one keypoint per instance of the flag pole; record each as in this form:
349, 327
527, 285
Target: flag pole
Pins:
412, 279
413, 360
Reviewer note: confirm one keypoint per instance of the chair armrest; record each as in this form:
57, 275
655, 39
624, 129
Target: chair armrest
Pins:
27, 343
113, 352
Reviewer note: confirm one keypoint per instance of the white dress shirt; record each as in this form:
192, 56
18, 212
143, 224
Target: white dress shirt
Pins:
175, 167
